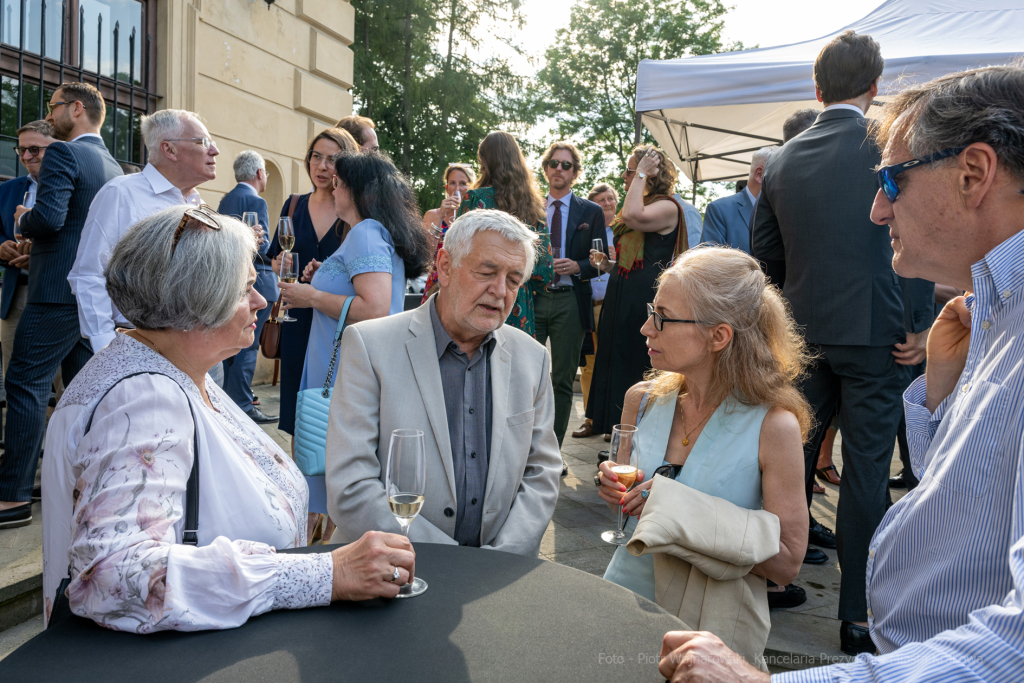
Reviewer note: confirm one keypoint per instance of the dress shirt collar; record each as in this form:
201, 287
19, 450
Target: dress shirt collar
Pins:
32, 181
161, 184
246, 187
566, 200
750, 195
851, 107
1005, 266
86, 135
444, 341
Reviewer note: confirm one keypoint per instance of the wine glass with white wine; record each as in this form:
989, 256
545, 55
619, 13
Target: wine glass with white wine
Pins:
405, 484
625, 453
285, 233
289, 273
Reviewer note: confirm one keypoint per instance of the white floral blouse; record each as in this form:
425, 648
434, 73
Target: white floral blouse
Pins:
113, 503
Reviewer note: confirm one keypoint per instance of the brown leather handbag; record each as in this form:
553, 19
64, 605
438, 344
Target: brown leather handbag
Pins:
270, 335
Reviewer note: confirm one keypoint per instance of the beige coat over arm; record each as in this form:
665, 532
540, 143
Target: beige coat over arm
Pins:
389, 378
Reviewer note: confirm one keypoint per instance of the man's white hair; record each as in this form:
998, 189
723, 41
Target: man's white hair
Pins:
246, 165
458, 241
761, 156
166, 124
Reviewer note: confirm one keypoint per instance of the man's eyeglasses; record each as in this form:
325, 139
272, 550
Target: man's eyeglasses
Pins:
887, 174
198, 218
205, 142
33, 151
670, 471
659, 322
50, 107
554, 163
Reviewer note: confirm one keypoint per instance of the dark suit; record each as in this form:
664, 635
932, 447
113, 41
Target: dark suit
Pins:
12, 193
564, 315
238, 371
813, 214
726, 221
48, 334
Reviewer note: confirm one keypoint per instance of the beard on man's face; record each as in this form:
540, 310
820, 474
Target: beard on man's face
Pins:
62, 126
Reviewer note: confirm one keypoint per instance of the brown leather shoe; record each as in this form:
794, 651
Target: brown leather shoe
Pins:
607, 438
585, 430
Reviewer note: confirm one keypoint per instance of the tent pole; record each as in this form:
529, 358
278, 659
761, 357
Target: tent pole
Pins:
694, 200
636, 128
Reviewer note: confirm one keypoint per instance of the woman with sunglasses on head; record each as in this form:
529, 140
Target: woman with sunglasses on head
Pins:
647, 238
385, 245
165, 502
506, 183
318, 234
721, 412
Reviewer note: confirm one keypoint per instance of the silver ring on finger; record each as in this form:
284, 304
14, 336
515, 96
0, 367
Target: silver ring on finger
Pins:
394, 577
597, 479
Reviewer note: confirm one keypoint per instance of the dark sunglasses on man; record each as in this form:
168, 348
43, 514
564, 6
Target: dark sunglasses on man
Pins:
554, 163
887, 174
33, 151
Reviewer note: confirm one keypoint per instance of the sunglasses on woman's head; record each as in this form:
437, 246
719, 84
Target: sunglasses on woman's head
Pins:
887, 174
554, 163
198, 218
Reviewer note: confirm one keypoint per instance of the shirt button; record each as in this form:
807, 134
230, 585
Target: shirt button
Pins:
473, 501
871, 554
966, 388
473, 454
985, 325
1007, 294
869, 613
470, 411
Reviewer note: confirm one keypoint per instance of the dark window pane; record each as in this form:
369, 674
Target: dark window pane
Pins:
137, 139
122, 135
11, 22
34, 10
8, 159
99, 22
8, 106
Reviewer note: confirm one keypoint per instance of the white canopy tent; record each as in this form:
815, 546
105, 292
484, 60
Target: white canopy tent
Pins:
710, 112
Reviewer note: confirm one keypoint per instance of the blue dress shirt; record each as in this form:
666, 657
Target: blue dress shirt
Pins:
945, 571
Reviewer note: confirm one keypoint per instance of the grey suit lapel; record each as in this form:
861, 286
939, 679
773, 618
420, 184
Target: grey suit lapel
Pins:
423, 356
501, 380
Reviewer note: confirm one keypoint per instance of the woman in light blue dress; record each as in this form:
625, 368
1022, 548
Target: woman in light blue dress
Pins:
384, 246
722, 413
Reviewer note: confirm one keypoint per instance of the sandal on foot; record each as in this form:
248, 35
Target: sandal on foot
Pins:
829, 475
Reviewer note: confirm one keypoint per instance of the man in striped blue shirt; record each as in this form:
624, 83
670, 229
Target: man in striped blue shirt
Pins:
945, 574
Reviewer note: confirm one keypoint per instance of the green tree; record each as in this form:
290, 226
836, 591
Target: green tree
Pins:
589, 81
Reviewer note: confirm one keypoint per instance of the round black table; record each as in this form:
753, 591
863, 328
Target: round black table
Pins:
487, 616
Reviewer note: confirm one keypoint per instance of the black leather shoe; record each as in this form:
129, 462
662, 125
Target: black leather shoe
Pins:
821, 536
257, 416
16, 516
565, 468
792, 596
855, 640
602, 456
815, 556
903, 481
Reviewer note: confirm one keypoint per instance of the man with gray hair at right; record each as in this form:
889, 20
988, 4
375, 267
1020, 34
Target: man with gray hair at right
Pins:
726, 219
945, 576
479, 391
181, 157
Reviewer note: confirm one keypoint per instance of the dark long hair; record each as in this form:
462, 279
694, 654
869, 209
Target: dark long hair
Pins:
503, 167
382, 193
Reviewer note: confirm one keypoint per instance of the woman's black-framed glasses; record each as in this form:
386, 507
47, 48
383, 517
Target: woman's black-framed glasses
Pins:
203, 215
670, 471
659, 322
554, 163
887, 174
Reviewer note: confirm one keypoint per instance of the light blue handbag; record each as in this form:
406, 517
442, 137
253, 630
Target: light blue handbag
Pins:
311, 409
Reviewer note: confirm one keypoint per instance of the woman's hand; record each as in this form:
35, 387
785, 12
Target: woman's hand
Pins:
364, 569
276, 263
648, 164
600, 260
310, 270
611, 491
633, 503
297, 295
447, 210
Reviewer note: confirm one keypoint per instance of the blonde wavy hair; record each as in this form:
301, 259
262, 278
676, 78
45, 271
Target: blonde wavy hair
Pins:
664, 181
767, 354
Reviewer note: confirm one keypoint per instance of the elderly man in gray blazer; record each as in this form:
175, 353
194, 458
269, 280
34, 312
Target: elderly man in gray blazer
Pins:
479, 390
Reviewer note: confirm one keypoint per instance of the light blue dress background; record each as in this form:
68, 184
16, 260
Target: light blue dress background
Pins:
368, 248
722, 463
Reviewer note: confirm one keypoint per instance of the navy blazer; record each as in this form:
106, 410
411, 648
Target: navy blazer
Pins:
726, 221
12, 193
585, 224
235, 203
71, 175
813, 213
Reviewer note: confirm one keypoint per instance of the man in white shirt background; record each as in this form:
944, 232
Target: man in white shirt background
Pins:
181, 157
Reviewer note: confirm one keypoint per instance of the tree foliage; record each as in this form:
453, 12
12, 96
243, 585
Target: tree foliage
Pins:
589, 81
420, 76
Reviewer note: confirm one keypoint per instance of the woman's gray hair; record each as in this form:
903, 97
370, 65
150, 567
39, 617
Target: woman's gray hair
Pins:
601, 188
246, 165
458, 241
165, 124
956, 110
199, 285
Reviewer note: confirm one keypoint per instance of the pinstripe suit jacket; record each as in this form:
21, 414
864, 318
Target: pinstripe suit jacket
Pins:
71, 175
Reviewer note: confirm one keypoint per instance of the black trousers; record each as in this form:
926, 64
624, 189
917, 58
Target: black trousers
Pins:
867, 385
48, 337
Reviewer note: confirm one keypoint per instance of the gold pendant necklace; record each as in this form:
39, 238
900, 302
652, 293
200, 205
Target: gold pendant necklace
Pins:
686, 434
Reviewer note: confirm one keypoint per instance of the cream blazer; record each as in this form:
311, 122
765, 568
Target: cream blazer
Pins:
704, 548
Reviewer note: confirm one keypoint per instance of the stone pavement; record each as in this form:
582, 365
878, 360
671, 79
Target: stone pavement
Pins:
805, 636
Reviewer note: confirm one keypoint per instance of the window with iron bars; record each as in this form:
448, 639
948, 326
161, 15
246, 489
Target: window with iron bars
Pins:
44, 43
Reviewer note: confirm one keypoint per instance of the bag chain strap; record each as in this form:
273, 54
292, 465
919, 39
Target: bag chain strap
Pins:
337, 345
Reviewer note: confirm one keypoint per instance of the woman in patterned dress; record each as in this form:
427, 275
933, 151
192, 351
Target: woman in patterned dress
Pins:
136, 420
506, 183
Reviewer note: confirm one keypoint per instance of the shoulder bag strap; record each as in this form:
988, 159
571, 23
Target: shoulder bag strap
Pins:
292, 204
190, 534
337, 345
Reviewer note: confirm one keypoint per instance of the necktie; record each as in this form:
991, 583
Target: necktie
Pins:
556, 237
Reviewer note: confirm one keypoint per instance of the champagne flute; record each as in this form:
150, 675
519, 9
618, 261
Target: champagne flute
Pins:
285, 233
625, 453
17, 228
405, 484
289, 273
